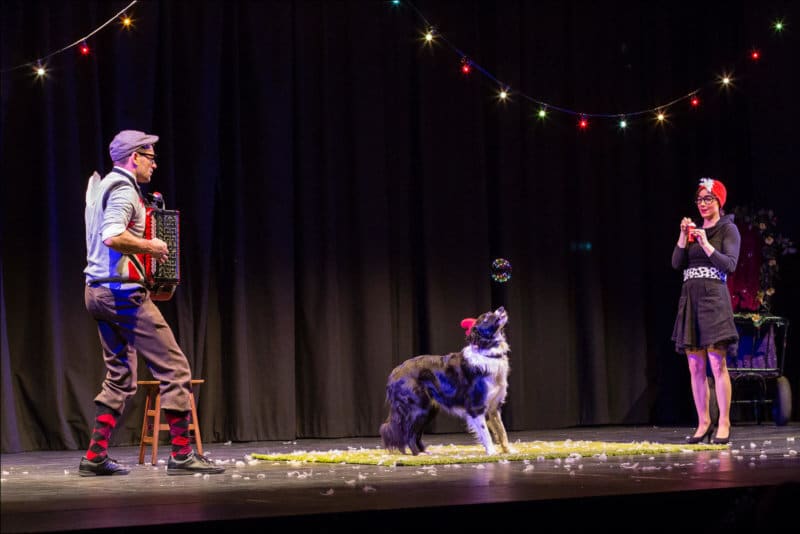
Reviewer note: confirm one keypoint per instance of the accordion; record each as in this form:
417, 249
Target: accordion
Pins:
162, 278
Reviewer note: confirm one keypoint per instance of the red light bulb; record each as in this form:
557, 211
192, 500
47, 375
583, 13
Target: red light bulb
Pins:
583, 123
85, 49
695, 101
755, 55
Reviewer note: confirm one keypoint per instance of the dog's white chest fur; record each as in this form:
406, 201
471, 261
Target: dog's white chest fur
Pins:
493, 362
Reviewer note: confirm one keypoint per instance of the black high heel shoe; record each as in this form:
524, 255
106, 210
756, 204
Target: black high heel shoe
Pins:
722, 441
705, 437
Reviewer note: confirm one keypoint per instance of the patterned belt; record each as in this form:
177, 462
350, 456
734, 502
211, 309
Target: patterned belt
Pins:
704, 272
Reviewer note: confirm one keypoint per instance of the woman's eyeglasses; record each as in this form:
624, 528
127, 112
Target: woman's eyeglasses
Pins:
704, 200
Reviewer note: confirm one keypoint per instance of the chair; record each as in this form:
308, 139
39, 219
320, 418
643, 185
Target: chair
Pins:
152, 425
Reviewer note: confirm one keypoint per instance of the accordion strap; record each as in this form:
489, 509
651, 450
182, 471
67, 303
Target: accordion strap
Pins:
116, 182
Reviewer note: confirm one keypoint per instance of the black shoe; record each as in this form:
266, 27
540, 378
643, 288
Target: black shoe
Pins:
194, 463
705, 437
721, 441
107, 467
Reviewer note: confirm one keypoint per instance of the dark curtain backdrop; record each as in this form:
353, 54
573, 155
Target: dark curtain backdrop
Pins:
343, 190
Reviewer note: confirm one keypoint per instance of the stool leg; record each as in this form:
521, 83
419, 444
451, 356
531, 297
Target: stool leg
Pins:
196, 425
147, 402
156, 427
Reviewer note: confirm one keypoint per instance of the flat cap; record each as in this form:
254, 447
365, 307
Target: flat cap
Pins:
126, 142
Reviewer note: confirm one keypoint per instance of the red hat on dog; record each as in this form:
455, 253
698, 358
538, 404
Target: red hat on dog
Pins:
715, 187
467, 324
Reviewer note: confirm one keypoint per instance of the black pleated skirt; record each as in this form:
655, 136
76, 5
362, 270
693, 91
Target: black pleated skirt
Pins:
705, 317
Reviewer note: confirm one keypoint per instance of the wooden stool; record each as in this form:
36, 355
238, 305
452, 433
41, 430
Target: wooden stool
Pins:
152, 425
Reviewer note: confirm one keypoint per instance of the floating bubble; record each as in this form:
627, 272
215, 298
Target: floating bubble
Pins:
501, 270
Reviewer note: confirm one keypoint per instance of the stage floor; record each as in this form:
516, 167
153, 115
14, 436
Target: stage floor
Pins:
749, 489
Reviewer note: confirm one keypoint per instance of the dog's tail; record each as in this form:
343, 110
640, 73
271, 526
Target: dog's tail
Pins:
391, 436
397, 431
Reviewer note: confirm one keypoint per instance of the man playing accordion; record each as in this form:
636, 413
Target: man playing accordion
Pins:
118, 296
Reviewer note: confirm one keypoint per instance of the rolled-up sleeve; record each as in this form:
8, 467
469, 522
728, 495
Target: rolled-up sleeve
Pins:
119, 210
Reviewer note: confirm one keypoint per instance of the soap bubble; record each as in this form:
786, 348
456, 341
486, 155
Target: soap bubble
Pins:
501, 270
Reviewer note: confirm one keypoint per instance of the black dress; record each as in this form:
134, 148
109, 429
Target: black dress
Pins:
705, 314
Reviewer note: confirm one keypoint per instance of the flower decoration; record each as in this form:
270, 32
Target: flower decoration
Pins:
708, 183
773, 246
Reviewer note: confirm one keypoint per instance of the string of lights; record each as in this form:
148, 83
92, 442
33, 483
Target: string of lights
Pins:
39, 65
431, 35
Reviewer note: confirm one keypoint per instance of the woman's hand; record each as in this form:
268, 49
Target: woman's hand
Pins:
700, 236
686, 225
702, 240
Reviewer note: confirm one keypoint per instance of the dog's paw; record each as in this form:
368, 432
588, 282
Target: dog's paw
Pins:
491, 451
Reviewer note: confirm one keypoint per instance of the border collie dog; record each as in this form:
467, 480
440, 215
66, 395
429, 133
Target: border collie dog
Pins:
470, 384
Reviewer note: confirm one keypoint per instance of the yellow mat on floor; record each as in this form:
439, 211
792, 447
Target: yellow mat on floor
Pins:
462, 454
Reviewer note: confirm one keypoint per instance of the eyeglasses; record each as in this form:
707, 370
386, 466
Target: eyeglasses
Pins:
151, 157
704, 200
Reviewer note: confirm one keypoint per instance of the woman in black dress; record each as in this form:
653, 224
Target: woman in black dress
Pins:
704, 328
